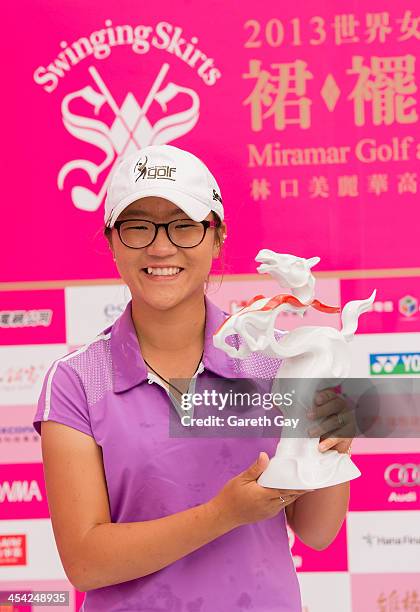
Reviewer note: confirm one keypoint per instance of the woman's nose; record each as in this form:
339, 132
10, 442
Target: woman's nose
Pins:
161, 243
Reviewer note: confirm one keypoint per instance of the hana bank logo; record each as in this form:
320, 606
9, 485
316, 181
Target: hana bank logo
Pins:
386, 540
130, 130
394, 363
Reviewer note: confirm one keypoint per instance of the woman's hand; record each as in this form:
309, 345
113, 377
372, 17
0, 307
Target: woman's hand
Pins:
242, 500
336, 422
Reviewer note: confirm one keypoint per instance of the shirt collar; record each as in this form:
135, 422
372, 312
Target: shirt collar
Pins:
129, 368
215, 359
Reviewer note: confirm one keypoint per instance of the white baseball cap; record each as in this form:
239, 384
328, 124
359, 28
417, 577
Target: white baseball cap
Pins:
168, 172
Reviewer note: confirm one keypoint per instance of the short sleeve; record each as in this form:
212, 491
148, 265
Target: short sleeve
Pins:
63, 399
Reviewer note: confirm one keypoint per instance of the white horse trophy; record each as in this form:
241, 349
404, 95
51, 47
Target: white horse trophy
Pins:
309, 353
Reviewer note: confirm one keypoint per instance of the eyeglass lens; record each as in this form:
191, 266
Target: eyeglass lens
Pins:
183, 233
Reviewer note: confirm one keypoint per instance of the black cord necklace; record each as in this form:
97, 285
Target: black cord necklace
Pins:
167, 381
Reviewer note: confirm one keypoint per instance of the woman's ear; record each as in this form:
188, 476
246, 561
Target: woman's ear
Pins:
111, 246
218, 243
112, 251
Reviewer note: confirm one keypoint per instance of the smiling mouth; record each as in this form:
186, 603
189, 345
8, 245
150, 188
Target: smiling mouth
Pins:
165, 272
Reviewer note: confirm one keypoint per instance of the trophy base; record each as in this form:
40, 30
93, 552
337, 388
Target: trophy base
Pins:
310, 472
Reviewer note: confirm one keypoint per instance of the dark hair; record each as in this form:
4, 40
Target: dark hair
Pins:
219, 238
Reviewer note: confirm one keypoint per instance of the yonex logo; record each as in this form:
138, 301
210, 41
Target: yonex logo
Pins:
394, 363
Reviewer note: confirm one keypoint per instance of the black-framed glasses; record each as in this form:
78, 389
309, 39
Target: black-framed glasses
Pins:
184, 233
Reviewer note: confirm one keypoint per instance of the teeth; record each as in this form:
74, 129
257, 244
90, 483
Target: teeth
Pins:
163, 271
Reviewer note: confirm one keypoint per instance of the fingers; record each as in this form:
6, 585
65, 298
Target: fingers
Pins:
334, 423
281, 495
338, 443
276, 493
329, 403
330, 442
348, 431
285, 499
286, 491
341, 425
323, 396
257, 468
333, 404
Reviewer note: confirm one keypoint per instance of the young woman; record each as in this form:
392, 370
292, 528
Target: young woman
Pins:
142, 520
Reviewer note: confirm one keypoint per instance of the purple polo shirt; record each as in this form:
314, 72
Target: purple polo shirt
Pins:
104, 390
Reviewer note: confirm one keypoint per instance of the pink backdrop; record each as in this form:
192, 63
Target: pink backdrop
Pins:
235, 85
307, 114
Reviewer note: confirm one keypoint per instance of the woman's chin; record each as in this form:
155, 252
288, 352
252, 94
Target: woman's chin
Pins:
161, 298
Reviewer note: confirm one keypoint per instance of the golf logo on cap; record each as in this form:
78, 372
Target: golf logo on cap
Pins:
216, 196
140, 169
154, 172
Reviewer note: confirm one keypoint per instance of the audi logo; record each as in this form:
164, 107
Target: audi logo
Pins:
407, 475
